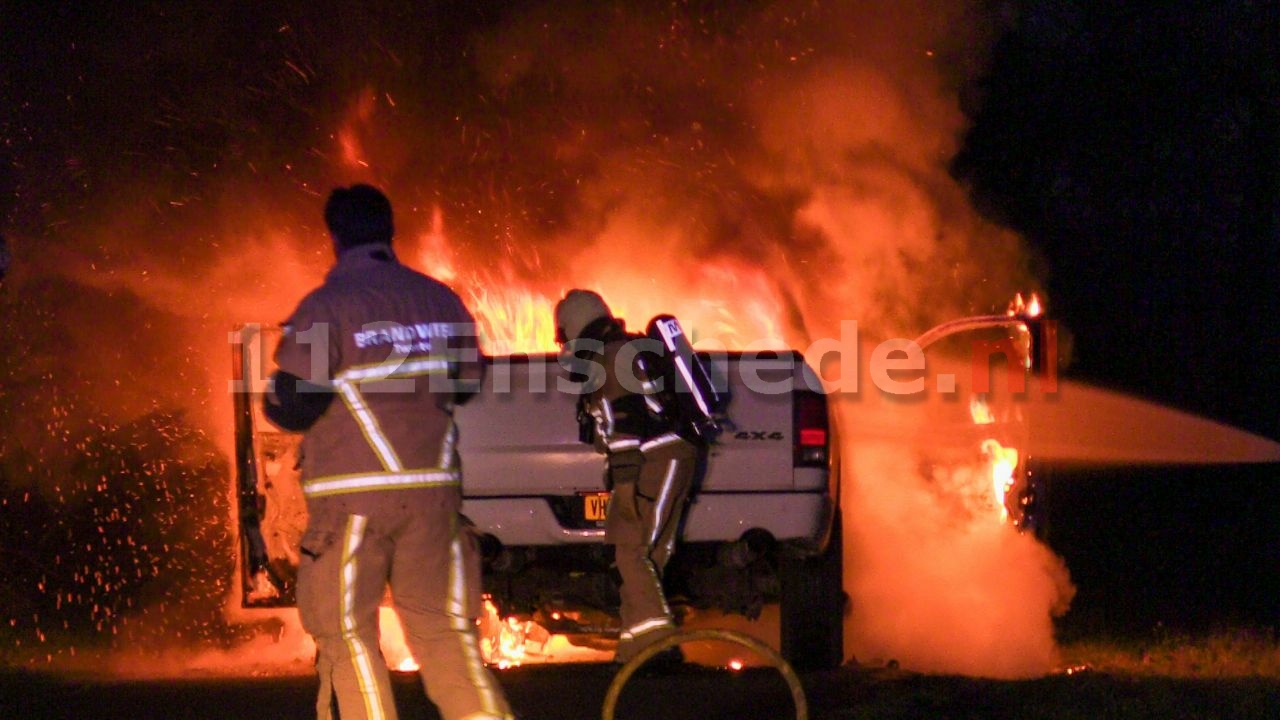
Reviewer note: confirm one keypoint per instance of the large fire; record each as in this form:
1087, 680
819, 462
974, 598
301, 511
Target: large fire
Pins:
518, 319
764, 174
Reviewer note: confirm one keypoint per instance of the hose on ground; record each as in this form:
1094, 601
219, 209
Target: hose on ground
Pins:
760, 648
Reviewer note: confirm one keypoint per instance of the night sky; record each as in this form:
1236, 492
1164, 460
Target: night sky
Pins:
1138, 146
1134, 146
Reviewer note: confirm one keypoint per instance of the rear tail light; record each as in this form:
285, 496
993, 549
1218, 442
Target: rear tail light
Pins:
811, 430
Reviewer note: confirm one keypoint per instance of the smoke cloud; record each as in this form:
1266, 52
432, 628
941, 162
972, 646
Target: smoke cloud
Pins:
810, 145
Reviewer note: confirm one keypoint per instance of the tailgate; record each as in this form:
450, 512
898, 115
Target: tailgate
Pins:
519, 435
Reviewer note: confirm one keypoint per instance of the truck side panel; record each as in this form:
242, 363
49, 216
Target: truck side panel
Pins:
519, 435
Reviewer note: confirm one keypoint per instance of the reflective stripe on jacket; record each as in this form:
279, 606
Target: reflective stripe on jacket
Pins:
395, 346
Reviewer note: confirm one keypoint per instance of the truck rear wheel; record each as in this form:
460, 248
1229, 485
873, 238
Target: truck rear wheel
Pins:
812, 607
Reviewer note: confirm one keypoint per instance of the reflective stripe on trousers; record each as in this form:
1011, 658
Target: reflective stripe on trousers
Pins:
414, 542
339, 607
642, 522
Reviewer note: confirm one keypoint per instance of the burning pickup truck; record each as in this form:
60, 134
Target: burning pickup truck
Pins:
762, 527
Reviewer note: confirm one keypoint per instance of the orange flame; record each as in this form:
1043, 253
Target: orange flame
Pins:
507, 642
504, 642
725, 308
514, 320
353, 152
1034, 309
722, 303
436, 257
1003, 462
1028, 308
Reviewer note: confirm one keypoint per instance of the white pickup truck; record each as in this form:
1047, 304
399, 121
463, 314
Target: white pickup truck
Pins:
761, 528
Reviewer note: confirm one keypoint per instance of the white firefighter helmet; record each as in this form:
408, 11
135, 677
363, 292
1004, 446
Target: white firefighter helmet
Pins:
577, 310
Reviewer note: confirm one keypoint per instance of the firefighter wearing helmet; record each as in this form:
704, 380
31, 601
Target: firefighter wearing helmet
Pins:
370, 366
649, 465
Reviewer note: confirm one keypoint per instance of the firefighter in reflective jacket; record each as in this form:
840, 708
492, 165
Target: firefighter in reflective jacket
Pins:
370, 366
650, 467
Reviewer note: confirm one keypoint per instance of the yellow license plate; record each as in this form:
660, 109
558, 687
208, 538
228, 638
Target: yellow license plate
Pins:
595, 505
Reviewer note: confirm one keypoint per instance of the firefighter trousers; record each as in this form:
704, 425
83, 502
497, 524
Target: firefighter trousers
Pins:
649, 493
414, 542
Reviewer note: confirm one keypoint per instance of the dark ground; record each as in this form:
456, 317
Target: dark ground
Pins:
577, 692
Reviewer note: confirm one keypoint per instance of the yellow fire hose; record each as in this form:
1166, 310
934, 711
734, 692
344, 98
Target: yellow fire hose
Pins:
761, 649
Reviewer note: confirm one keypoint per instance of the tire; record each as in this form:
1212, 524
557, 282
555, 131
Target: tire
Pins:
812, 603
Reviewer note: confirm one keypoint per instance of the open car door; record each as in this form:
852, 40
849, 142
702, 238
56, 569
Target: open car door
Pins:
271, 511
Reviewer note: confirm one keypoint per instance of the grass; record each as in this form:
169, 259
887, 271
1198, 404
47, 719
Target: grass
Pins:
1227, 675
1224, 654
